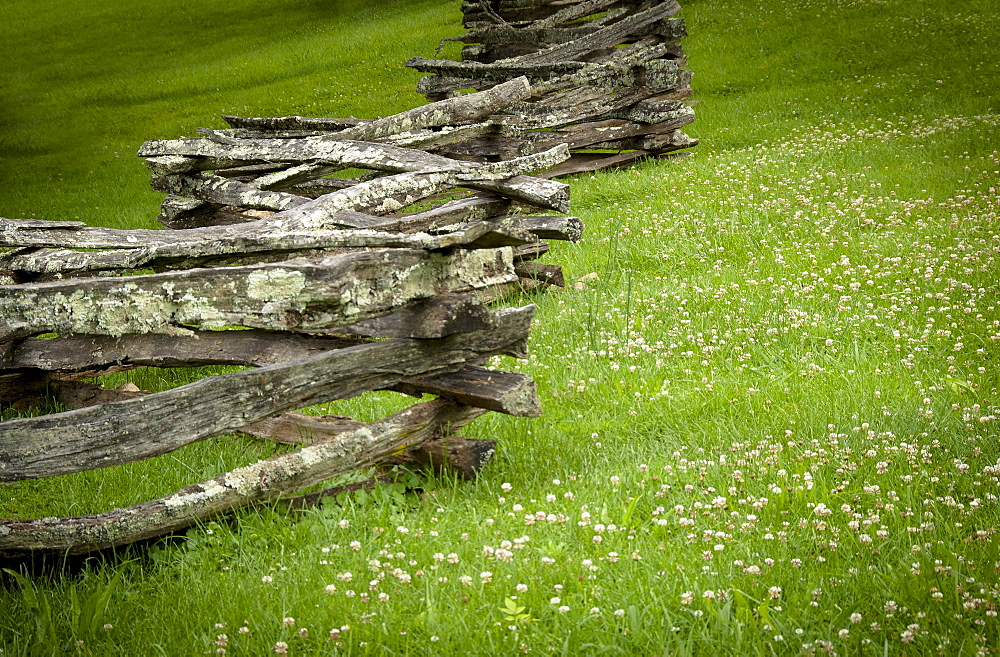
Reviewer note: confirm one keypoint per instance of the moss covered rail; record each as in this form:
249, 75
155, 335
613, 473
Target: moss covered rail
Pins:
318, 287
608, 79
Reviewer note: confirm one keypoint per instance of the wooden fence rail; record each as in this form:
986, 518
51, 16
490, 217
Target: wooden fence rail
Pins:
320, 287
607, 79
324, 286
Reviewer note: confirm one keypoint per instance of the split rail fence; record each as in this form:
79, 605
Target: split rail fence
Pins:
607, 78
322, 287
328, 258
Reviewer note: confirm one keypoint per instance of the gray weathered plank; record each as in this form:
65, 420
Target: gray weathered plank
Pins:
501, 70
470, 108
503, 177
301, 294
135, 429
274, 123
225, 191
505, 392
255, 247
238, 488
452, 455
91, 355
95, 354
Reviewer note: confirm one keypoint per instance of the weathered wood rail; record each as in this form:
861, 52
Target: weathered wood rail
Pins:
320, 287
607, 76
325, 286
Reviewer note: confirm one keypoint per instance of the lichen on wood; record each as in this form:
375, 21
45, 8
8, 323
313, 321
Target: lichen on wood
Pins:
339, 286
323, 292
264, 480
134, 429
588, 61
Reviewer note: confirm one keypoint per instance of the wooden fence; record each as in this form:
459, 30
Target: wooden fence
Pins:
607, 79
321, 287
325, 286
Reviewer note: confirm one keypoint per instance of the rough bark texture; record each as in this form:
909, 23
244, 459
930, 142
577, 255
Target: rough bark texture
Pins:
95, 354
328, 287
505, 392
464, 109
298, 294
263, 480
437, 317
275, 123
254, 243
126, 431
462, 456
505, 177
588, 61
225, 191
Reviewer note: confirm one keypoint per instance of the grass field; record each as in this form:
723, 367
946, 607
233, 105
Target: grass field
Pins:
770, 415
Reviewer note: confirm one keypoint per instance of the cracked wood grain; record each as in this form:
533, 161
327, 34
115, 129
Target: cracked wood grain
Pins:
319, 293
136, 429
269, 479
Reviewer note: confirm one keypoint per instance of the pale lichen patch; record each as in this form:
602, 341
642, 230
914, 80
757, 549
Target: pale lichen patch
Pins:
198, 310
244, 480
131, 311
210, 490
274, 284
389, 205
434, 274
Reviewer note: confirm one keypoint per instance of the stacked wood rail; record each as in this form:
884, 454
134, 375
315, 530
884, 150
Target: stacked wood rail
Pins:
321, 287
607, 77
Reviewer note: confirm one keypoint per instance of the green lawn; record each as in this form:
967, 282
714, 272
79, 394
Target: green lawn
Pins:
770, 414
